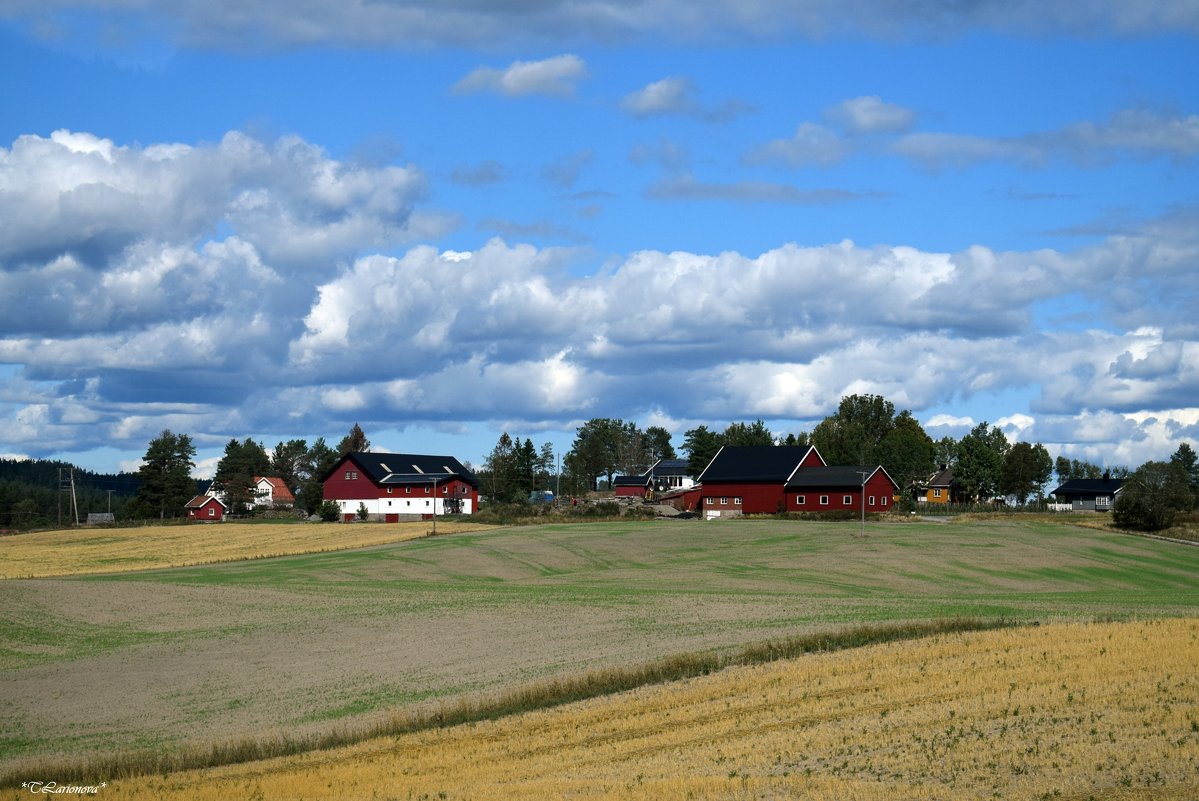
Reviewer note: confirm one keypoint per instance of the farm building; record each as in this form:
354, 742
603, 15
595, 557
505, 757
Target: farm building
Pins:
823, 489
670, 474
398, 486
1090, 494
632, 486
768, 479
208, 508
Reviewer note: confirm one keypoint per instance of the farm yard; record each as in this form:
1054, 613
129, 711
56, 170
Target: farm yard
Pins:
176, 659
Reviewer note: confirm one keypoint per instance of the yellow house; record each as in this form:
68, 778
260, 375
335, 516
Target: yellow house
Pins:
937, 488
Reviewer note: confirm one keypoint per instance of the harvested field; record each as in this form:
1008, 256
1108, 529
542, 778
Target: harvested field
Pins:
162, 660
113, 550
1070, 711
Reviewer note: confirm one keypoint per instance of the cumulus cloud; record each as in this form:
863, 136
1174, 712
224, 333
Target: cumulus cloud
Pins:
812, 144
463, 22
675, 96
164, 326
869, 114
556, 77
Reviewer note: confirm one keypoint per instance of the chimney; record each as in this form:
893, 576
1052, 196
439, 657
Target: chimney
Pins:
1107, 476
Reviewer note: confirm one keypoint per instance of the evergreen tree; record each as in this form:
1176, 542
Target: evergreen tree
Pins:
354, 442
657, 440
1187, 461
499, 470
319, 460
165, 474
236, 470
289, 462
701, 446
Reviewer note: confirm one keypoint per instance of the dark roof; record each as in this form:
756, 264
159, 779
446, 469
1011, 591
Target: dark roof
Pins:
631, 481
941, 478
754, 463
1090, 486
406, 468
669, 467
200, 501
836, 476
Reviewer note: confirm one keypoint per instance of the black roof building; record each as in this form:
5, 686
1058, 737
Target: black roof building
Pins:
751, 463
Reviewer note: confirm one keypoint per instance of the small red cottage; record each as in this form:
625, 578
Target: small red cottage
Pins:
397, 486
632, 486
206, 508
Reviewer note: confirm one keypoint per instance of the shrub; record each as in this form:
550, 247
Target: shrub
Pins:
1152, 497
329, 511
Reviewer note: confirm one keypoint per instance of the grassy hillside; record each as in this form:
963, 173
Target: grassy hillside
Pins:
303, 644
1104, 711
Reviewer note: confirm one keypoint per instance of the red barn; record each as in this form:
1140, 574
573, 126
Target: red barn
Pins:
752, 479
826, 489
206, 508
396, 486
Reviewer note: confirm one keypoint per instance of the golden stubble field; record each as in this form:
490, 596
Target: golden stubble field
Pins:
1067, 711
113, 550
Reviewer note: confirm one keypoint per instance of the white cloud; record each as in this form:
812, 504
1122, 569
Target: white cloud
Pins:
556, 77
869, 114
812, 144
675, 96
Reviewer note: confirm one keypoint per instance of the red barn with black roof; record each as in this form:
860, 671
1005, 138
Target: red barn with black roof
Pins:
394, 486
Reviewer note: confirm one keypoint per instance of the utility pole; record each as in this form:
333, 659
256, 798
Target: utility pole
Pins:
863, 474
66, 483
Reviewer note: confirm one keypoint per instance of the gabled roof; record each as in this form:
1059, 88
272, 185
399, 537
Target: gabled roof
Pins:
406, 468
279, 490
837, 476
669, 467
1090, 486
200, 501
756, 463
941, 478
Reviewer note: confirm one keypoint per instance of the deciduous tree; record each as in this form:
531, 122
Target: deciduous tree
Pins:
1026, 469
1151, 498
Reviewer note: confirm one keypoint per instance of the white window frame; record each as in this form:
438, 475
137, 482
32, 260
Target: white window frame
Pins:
724, 500
801, 500
737, 500
871, 501
824, 500
846, 500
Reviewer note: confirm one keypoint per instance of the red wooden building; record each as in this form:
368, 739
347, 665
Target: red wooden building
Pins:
769, 479
751, 479
398, 486
632, 486
206, 508
826, 489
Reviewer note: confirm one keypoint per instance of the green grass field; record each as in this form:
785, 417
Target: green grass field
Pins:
168, 658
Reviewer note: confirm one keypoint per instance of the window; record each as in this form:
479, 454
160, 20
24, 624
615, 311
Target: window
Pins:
936, 493
709, 500
426, 490
724, 501
824, 500
1102, 500
737, 501
389, 490
212, 511
445, 490
872, 500
846, 499
407, 490
800, 500
351, 475
882, 501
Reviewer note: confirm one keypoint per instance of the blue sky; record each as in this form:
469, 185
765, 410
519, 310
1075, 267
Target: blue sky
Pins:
447, 220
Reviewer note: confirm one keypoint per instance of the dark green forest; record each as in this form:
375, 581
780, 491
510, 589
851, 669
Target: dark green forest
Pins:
35, 492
